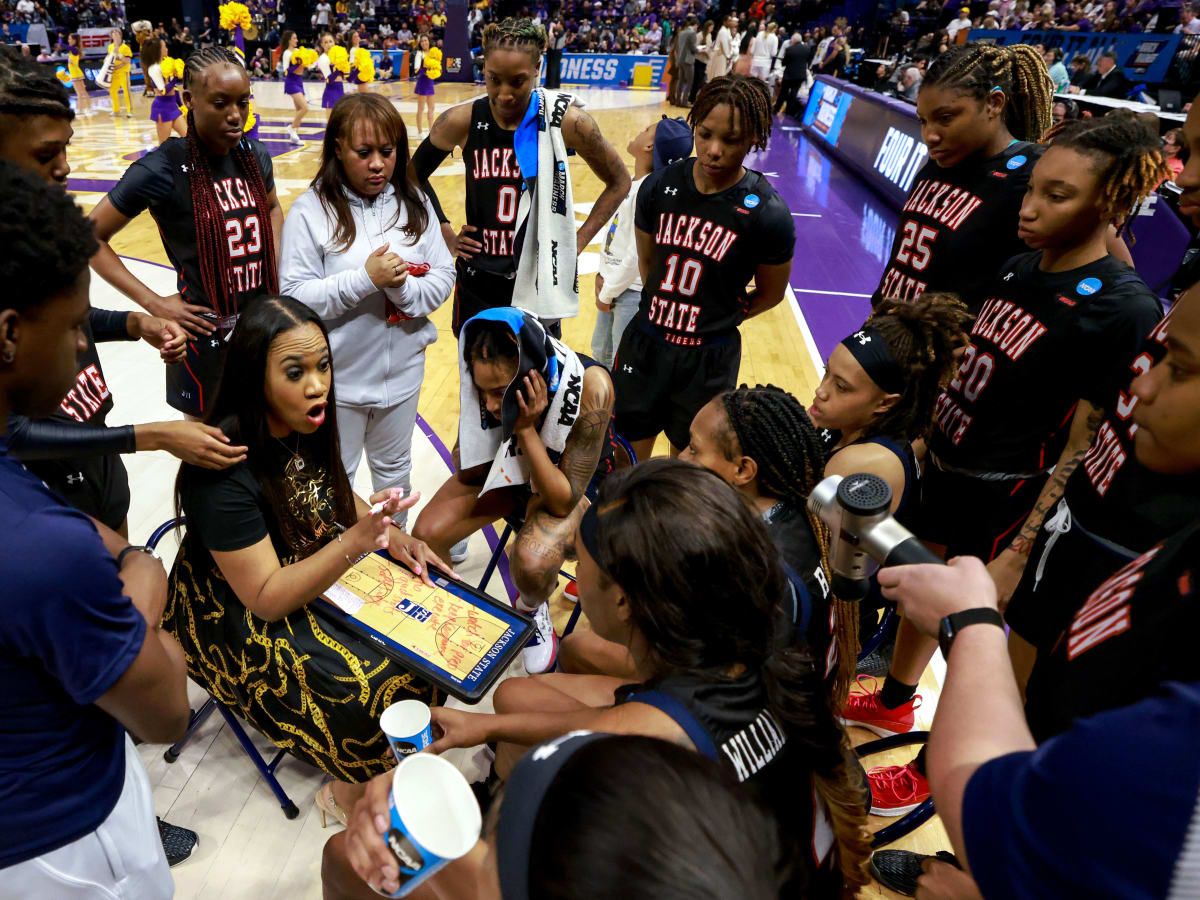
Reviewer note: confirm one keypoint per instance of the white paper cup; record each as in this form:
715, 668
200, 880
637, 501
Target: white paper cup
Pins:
407, 727
434, 818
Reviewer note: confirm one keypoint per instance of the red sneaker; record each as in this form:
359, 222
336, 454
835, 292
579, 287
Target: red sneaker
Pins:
865, 711
896, 790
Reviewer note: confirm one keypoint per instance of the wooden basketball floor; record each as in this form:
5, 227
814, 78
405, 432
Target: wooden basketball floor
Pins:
248, 849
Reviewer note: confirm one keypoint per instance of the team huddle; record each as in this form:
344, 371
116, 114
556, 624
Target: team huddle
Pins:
999, 387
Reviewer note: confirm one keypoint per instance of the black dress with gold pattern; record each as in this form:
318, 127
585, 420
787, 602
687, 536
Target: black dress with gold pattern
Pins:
309, 685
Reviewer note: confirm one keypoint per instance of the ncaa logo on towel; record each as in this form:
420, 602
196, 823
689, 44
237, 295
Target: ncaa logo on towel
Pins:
1016, 162
1089, 286
751, 201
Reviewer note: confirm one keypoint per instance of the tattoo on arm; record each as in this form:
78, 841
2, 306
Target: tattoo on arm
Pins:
1053, 490
586, 441
602, 158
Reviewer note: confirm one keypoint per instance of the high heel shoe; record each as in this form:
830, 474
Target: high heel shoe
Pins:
329, 807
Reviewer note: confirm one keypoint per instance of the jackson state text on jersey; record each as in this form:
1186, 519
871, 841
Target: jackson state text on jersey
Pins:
243, 233
943, 206
1009, 329
681, 275
498, 164
1113, 444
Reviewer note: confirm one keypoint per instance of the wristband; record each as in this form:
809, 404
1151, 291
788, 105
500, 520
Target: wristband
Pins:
951, 625
136, 548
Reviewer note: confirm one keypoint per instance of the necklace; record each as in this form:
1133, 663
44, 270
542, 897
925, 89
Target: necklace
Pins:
297, 461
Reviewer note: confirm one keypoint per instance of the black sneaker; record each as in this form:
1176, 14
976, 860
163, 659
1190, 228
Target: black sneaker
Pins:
178, 843
877, 663
898, 870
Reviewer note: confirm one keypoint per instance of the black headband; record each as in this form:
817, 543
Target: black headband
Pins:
523, 795
871, 350
589, 533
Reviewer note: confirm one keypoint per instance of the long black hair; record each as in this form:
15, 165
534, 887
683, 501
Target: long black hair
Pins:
682, 544
330, 181
240, 410
686, 828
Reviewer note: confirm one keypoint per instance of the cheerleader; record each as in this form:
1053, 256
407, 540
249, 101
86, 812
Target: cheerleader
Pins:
212, 195
334, 85
293, 81
122, 59
362, 67
164, 108
428, 66
83, 103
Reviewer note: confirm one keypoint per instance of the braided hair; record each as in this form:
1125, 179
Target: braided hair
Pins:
515, 34
1019, 71
771, 426
923, 337
209, 218
1129, 157
28, 88
749, 97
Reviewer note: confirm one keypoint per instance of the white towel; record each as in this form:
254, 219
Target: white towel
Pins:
481, 438
547, 278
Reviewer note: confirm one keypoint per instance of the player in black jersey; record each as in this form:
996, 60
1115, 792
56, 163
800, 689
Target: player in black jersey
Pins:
1113, 508
212, 195
1053, 340
677, 567
761, 442
485, 246
982, 109
705, 228
72, 450
874, 402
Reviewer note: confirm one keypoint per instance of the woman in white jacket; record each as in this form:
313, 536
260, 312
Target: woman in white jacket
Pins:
362, 248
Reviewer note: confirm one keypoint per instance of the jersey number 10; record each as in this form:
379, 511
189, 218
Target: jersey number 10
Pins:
689, 275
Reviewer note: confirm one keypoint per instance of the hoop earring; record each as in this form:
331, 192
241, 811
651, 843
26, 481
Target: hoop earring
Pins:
7, 356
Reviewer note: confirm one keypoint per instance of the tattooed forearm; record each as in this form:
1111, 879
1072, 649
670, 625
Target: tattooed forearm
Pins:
583, 448
583, 135
1052, 491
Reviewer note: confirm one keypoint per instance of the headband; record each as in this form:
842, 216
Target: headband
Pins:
589, 533
528, 784
873, 354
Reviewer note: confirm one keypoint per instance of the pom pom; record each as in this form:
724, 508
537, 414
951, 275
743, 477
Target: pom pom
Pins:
339, 59
305, 55
234, 15
365, 63
62, 75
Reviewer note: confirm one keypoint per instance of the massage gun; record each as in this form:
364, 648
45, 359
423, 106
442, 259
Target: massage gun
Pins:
857, 511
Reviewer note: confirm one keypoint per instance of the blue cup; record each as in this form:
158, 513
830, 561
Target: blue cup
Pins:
408, 728
433, 818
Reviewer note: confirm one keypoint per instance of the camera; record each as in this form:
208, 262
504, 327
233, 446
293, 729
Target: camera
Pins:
857, 510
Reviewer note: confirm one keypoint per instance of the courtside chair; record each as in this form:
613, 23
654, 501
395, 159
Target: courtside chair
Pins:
198, 717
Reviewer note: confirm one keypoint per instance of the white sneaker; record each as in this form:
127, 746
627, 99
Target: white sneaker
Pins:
293, 136
459, 552
542, 649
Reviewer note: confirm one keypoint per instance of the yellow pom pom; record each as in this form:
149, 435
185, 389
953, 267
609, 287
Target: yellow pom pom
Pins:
306, 55
62, 75
233, 15
339, 59
365, 63
251, 118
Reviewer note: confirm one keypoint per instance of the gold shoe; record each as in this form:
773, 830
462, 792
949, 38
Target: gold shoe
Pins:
329, 807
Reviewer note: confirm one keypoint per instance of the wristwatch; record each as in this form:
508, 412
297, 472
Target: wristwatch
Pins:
136, 548
956, 622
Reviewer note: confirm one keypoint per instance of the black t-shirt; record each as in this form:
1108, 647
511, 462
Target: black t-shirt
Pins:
958, 226
1135, 632
754, 746
160, 182
707, 248
1114, 496
494, 187
1041, 341
228, 510
793, 537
